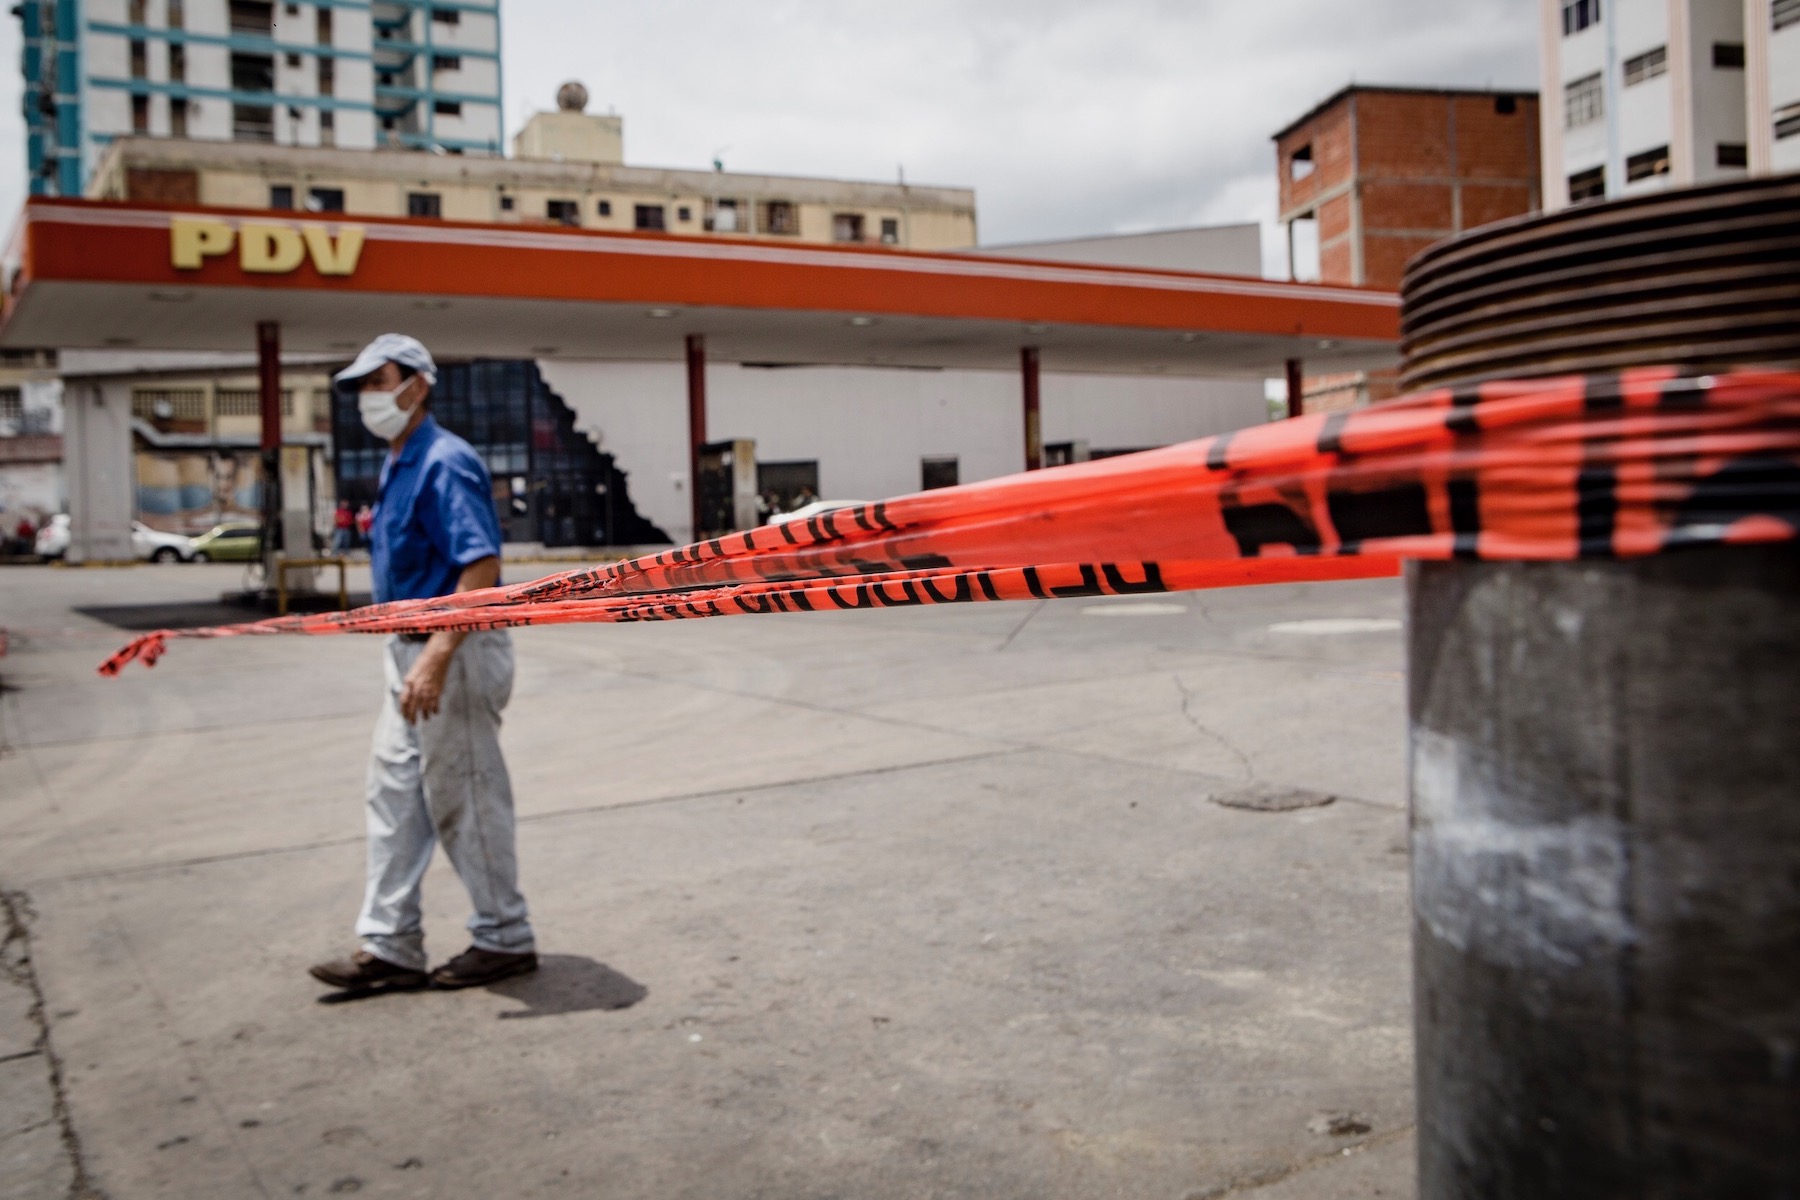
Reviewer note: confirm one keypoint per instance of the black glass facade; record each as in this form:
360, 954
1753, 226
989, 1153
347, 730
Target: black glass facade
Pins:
551, 484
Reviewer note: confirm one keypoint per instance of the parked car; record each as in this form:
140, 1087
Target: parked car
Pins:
813, 510
232, 541
53, 538
153, 545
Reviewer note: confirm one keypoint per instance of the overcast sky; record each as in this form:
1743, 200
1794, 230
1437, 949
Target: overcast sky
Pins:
1068, 117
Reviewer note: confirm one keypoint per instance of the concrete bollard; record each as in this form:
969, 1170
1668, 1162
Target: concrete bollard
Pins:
1605, 776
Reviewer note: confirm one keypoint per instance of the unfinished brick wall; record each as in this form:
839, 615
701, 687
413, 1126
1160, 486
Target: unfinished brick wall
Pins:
1394, 170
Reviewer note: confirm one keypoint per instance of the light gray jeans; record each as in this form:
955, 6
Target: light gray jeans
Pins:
443, 780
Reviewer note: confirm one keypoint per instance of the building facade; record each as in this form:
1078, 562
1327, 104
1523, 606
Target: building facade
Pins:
31, 440
1377, 174
579, 180
1642, 95
400, 74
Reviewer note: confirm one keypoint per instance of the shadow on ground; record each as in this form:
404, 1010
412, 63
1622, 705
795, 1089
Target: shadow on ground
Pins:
192, 614
569, 983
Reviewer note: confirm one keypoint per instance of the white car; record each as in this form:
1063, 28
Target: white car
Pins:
153, 545
813, 510
53, 538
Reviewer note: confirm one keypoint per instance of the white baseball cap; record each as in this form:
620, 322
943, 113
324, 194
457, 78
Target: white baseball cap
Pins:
396, 348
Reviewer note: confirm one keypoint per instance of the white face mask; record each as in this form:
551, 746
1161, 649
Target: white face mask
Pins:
382, 414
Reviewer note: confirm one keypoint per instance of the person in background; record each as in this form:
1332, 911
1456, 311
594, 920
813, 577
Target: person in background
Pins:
365, 521
343, 529
436, 774
802, 498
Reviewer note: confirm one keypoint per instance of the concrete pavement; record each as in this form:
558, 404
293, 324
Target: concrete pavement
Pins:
919, 903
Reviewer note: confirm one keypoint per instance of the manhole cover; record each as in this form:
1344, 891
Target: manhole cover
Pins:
1267, 797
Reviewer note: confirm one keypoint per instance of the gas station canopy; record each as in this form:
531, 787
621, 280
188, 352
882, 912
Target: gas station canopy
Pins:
87, 274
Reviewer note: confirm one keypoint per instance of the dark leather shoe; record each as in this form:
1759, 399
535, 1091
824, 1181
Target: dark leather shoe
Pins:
475, 966
365, 972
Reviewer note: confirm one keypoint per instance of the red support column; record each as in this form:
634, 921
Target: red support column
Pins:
1034, 429
268, 385
696, 391
1296, 388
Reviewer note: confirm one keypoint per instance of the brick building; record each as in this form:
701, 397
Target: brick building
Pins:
1387, 171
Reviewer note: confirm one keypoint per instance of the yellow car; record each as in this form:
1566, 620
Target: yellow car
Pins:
232, 541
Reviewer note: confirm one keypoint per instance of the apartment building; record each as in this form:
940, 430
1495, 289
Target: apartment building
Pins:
1641, 95
357, 74
568, 169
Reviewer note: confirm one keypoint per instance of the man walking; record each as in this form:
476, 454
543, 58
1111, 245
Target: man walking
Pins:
436, 773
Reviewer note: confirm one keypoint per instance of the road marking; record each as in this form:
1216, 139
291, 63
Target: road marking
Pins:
1326, 626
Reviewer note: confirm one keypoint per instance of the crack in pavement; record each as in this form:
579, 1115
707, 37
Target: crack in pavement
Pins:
16, 964
1258, 1180
1187, 711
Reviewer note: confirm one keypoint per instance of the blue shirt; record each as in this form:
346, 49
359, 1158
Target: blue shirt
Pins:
435, 516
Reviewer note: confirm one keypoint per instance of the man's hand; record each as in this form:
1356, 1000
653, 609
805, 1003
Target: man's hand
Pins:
423, 687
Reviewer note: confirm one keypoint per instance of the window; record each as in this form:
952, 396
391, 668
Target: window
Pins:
890, 231
721, 216
293, 10
1579, 15
175, 14
1300, 163
385, 79
12, 406
446, 16
281, 195
252, 123
1785, 13
1787, 121
253, 18
1648, 163
424, 204
648, 216
139, 59
1647, 65
604, 208
1732, 154
684, 214
323, 26
140, 114
446, 62
252, 73
327, 77
134, 12
321, 199
780, 216
178, 115
1584, 101
168, 404
1587, 185
506, 204
447, 108
563, 212
327, 127
1506, 106
937, 472
247, 402
1728, 56
177, 63
846, 227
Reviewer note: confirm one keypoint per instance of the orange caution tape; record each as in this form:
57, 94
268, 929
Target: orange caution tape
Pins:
1610, 466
